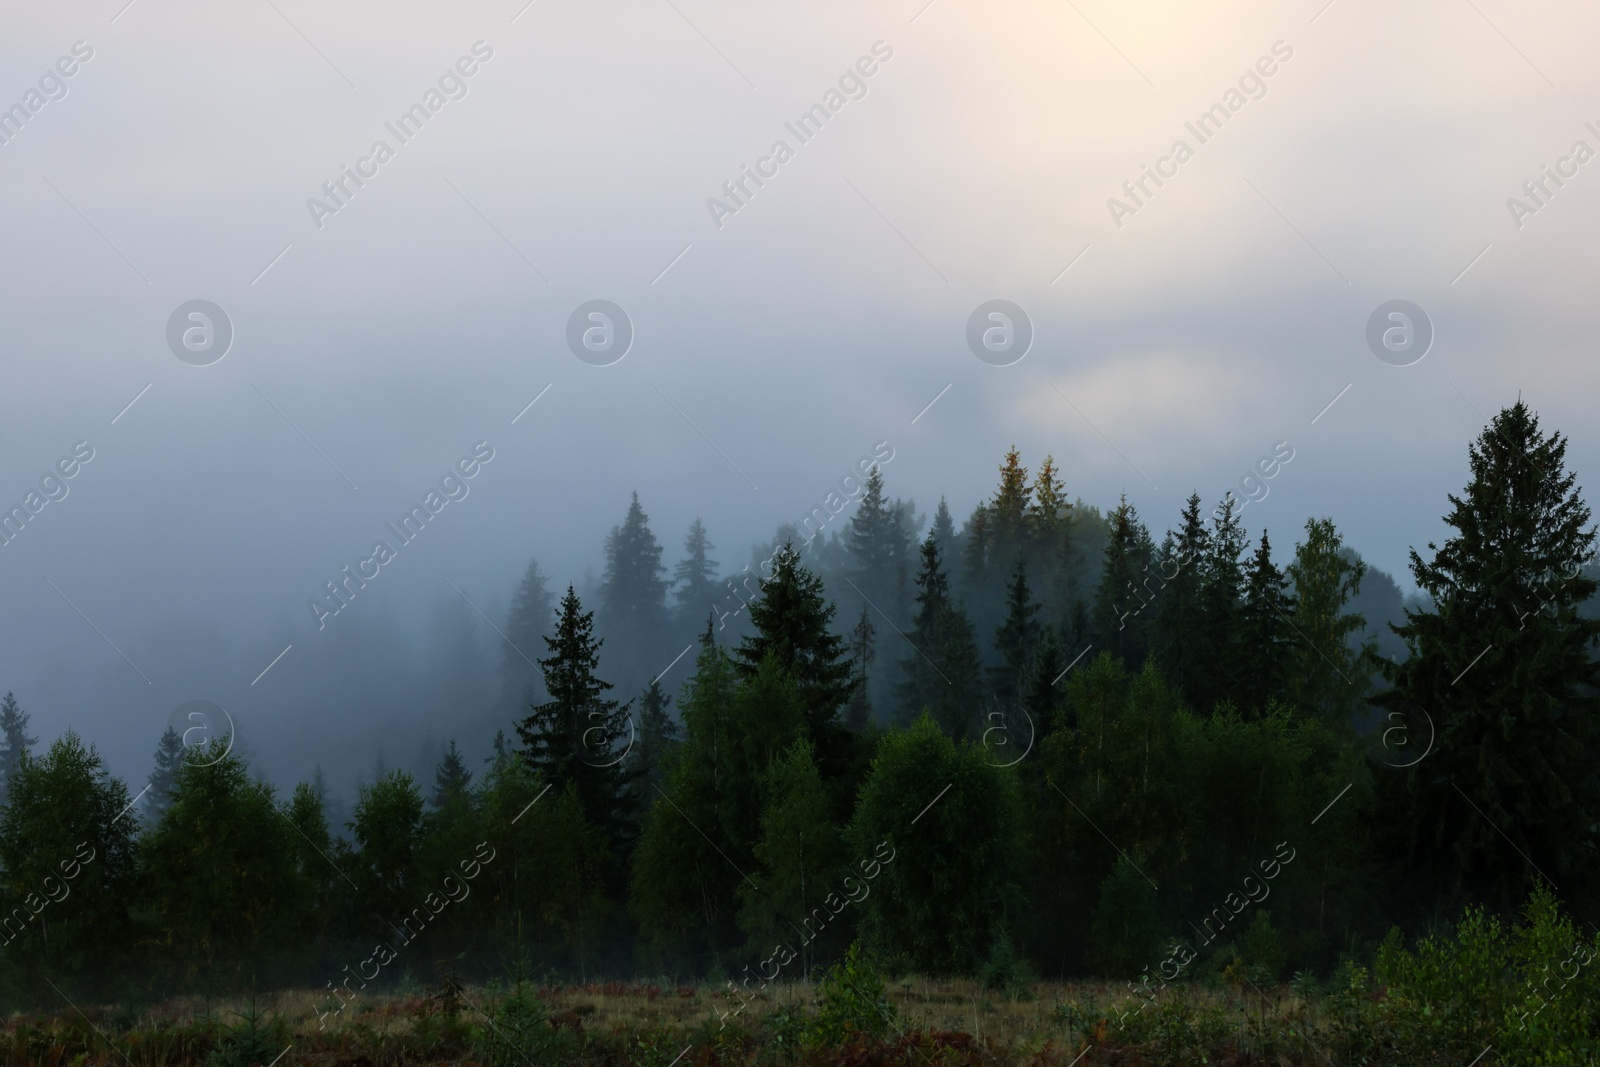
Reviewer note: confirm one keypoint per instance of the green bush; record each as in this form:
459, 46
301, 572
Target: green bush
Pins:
1007, 971
1531, 992
851, 999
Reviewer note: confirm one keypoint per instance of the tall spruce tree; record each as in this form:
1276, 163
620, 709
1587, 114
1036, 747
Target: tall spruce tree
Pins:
944, 531
633, 593
1502, 662
1016, 640
1127, 585
862, 650
1328, 676
577, 735
1178, 632
1041, 697
940, 675
451, 779
532, 608
164, 778
695, 576
1009, 510
15, 742
1219, 674
1266, 642
792, 625
658, 737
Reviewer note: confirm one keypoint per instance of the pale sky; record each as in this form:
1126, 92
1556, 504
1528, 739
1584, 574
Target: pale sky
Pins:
575, 163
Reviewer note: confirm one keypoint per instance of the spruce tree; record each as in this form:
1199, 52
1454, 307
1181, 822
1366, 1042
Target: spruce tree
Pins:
577, 735
451, 779
1328, 677
1010, 507
1224, 664
1502, 662
164, 778
792, 625
878, 545
633, 593
695, 576
940, 675
1266, 643
1016, 640
944, 530
532, 608
859, 711
1178, 632
658, 737
1041, 697
15, 743
1127, 586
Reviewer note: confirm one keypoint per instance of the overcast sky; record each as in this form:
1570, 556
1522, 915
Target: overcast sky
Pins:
1175, 342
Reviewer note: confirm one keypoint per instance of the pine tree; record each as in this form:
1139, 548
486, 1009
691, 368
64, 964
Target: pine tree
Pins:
164, 778
1266, 642
1502, 663
695, 576
1127, 585
1016, 640
451, 779
940, 675
14, 740
792, 625
576, 736
859, 711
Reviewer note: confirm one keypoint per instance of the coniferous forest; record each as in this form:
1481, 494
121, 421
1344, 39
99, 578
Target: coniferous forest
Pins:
1022, 779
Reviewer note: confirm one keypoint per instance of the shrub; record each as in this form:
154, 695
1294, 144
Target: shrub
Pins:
851, 999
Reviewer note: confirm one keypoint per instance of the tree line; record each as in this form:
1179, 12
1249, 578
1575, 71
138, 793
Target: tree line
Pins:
1043, 739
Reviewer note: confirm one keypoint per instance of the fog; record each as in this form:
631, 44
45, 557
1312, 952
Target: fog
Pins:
377, 345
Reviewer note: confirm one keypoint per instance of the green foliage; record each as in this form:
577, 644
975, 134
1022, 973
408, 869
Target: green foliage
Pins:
800, 851
1509, 789
388, 834
577, 736
1125, 934
793, 629
1262, 951
1328, 678
222, 890
1530, 991
1007, 971
67, 856
1121, 622
937, 835
517, 1031
255, 1041
851, 999
940, 674
695, 576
